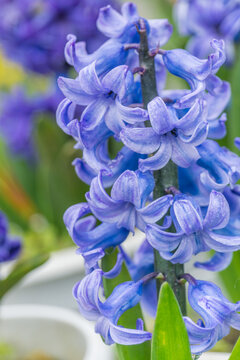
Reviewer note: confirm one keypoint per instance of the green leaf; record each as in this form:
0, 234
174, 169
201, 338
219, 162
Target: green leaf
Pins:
129, 318
21, 268
231, 277
233, 123
170, 335
236, 351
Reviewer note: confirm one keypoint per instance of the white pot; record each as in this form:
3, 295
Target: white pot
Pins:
60, 333
215, 356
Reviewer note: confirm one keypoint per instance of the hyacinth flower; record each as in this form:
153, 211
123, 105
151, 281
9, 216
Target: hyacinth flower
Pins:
218, 315
97, 159
198, 73
91, 240
122, 31
193, 232
216, 168
168, 130
10, 246
204, 20
107, 313
172, 138
101, 117
126, 205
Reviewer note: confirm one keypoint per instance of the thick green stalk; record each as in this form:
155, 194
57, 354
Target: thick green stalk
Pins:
164, 178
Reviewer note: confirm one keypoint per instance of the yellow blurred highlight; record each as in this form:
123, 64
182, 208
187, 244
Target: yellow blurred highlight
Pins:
10, 73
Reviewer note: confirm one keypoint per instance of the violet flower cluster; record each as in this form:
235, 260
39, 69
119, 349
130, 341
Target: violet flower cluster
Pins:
203, 20
33, 34
10, 246
179, 126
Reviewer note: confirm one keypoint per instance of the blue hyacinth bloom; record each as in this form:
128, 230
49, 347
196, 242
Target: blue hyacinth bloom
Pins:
218, 315
107, 313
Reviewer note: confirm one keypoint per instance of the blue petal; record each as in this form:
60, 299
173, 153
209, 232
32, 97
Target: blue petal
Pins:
156, 209
124, 336
131, 115
222, 243
90, 82
218, 212
65, 114
160, 32
183, 253
126, 188
72, 90
160, 118
183, 154
188, 218
218, 262
162, 240
110, 22
160, 158
142, 141
92, 125
86, 294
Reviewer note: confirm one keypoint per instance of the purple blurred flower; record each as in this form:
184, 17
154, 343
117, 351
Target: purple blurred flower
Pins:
205, 20
10, 246
18, 118
33, 32
218, 315
17, 122
107, 313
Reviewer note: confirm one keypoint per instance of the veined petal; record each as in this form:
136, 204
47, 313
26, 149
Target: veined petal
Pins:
162, 240
218, 262
73, 91
183, 154
126, 188
124, 296
98, 196
160, 32
160, 118
183, 253
222, 243
131, 115
110, 22
190, 119
86, 293
65, 114
124, 336
187, 216
73, 214
218, 212
89, 80
198, 136
92, 126
129, 12
156, 209
140, 140
118, 80
160, 158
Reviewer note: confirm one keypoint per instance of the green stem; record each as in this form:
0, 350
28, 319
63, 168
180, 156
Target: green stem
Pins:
164, 178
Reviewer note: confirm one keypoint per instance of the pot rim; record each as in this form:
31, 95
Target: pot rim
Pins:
67, 316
